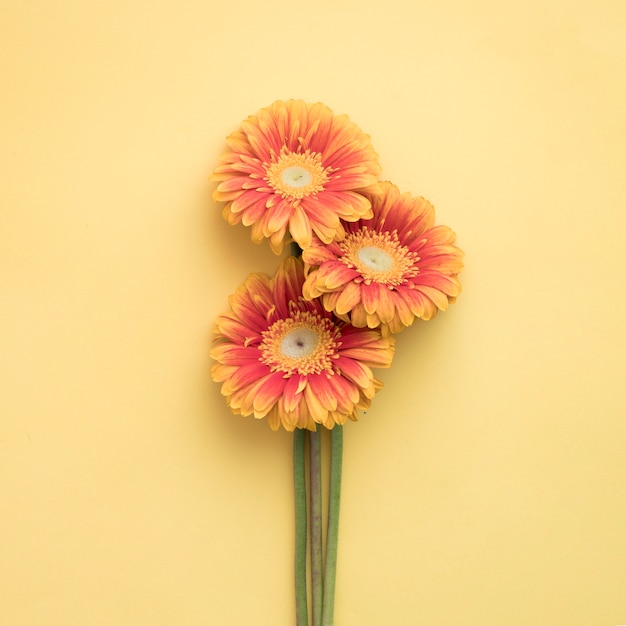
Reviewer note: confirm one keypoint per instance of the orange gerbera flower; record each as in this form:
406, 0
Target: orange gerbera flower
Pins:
282, 357
296, 167
389, 269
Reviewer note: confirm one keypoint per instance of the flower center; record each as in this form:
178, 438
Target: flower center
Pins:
295, 175
375, 259
299, 342
379, 257
304, 343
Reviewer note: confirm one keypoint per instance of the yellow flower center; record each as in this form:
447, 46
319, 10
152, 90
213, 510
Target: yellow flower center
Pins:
295, 175
304, 343
379, 257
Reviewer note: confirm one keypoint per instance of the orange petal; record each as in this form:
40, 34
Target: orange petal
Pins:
349, 297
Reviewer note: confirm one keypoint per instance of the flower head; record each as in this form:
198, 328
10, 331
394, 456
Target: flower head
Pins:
388, 270
287, 359
297, 168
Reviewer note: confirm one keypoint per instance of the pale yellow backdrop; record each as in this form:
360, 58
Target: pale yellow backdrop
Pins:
487, 484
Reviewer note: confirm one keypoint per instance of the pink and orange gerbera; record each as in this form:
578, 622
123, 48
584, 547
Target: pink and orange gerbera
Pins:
388, 270
287, 359
296, 169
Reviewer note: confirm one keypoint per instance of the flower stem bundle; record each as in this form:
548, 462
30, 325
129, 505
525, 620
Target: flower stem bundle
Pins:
323, 571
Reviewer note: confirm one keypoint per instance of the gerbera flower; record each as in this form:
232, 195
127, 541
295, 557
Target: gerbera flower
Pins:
282, 357
389, 269
296, 167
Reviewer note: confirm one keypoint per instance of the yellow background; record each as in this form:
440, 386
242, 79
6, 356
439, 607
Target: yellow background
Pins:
487, 484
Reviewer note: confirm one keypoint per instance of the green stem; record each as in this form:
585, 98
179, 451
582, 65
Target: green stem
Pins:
332, 536
315, 498
299, 438
295, 249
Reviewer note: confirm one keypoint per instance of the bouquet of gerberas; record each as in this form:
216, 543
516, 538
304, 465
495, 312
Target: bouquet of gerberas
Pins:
298, 348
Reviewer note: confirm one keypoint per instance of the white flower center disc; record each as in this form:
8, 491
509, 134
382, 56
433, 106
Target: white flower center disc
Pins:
375, 259
299, 342
296, 176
